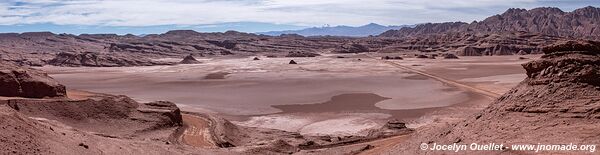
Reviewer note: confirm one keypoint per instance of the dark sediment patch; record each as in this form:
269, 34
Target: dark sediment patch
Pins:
365, 103
416, 77
217, 75
357, 102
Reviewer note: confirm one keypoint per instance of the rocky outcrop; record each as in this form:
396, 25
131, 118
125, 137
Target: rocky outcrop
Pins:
91, 59
226, 134
449, 56
392, 58
502, 50
228, 44
395, 124
557, 103
573, 61
590, 47
471, 51
168, 112
25, 82
189, 60
101, 123
292, 62
105, 114
24, 134
301, 54
351, 48
498, 49
422, 56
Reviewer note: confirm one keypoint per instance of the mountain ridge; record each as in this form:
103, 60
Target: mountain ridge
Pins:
579, 23
341, 30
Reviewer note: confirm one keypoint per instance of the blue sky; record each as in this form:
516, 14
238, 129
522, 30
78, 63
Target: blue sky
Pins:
158, 16
150, 29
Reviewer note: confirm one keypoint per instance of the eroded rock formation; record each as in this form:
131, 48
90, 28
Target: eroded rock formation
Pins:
99, 124
302, 54
351, 48
25, 82
92, 59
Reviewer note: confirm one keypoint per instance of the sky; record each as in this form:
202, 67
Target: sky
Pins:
158, 16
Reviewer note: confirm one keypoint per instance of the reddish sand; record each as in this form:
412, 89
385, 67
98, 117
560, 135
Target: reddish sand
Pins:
271, 93
79, 94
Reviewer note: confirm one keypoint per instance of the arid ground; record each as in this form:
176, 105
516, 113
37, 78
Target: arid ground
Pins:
521, 77
322, 95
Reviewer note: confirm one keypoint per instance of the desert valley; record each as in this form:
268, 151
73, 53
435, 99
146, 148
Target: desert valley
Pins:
519, 77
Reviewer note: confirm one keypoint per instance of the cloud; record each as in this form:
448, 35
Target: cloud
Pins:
203, 12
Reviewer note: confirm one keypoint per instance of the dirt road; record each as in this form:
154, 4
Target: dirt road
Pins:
382, 145
443, 80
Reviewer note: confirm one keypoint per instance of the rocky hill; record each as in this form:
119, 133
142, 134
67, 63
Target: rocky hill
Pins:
580, 23
189, 60
516, 31
108, 50
558, 103
98, 124
464, 44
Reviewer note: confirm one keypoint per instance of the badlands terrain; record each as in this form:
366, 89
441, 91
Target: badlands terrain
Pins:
315, 96
523, 76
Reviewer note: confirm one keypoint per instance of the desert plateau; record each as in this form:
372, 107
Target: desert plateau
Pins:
522, 81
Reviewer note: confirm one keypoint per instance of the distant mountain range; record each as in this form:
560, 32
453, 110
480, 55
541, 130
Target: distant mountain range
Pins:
580, 23
361, 31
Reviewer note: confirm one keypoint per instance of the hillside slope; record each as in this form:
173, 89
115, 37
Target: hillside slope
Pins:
558, 103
